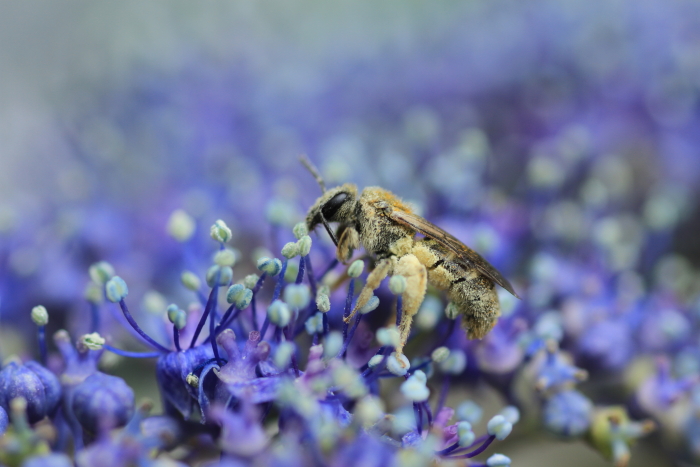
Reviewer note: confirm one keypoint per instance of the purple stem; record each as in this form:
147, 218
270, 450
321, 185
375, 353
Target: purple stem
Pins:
428, 412
328, 269
42, 344
212, 332
443, 393
132, 322
205, 315
310, 275
302, 268
344, 350
280, 281
126, 353
478, 450
346, 310
176, 338
95, 316
418, 412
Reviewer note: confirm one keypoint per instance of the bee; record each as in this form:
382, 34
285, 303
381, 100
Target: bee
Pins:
386, 227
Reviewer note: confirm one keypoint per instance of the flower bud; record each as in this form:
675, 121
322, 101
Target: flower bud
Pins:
283, 354
226, 257
223, 274
499, 427
300, 230
388, 336
498, 460
250, 281
271, 266
116, 289
101, 272
177, 316
314, 325
332, 344
455, 363
465, 434
369, 410
398, 365
279, 313
290, 250
35, 384
91, 341
451, 311
304, 244
239, 295
190, 281
297, 295
4, 421
440, 354
94, 293
414, 387
153, 302
40, 316
180, 225
397, 284
511, 414
371, 305
469, 411
102, 402
220, 231
356, 268
323, 302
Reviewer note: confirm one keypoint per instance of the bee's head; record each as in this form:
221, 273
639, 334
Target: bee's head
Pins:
334, 205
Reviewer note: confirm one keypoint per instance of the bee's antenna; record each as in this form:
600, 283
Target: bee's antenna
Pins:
314, 171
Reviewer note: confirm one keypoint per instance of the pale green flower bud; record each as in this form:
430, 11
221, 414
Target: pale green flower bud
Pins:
101, 272
323, 302
297, 295
251, 280
455, 363
279, 313
272, 266
332, 344
356, 268
414, 387
451, 311
220, 231
93, 293
224, 275
300, 230
225, 257
40, 316
116, 289
389, 336
440, 354
371, 305
92, 341
283, 354
290, 250
181, 225
314, 325
190, 281
240, 295
304, 244
177, 316
397, 284
398, 365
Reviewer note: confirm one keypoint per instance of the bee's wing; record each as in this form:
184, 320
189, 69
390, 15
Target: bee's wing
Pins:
463, 252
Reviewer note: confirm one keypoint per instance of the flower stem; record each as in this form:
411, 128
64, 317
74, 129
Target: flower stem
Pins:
42, 343
126, 353
132, 322
207, 309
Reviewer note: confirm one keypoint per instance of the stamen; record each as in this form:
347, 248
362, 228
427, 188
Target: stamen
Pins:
205, 315
126, 353
132, 322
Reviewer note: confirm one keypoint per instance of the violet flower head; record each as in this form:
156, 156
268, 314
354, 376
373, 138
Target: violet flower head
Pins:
38, 386
102, 402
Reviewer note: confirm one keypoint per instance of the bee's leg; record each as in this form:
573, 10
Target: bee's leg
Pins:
416, 283
348, 241
375, 278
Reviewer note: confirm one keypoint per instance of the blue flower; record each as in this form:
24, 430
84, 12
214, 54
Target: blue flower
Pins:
31, 381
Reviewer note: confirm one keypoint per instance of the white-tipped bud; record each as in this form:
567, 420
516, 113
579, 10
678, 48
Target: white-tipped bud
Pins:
192, 380
180, 225
283, 354
279, 313
511, 413
94, 293
239, 295
251, 280
290, 250
190, 281
314, 325
397, 284
177, 316
297, 295
498, 460
499, 427
429, 313
116, 289
220, 231
356, 268
388, 336
398, 365
455, 363
217, 275
465, 434
451, 311
304, 244
226, 257
371, 305
153, 302
332, 344
101, 272
323, 302
469, 411
300, 230
440, 354
271, 266
40, 316
414, 387
369, 410
92, 341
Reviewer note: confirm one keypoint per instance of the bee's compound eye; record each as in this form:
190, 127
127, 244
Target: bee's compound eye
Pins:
331, 207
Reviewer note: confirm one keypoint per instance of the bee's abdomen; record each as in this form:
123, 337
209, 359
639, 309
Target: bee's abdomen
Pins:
473, 294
